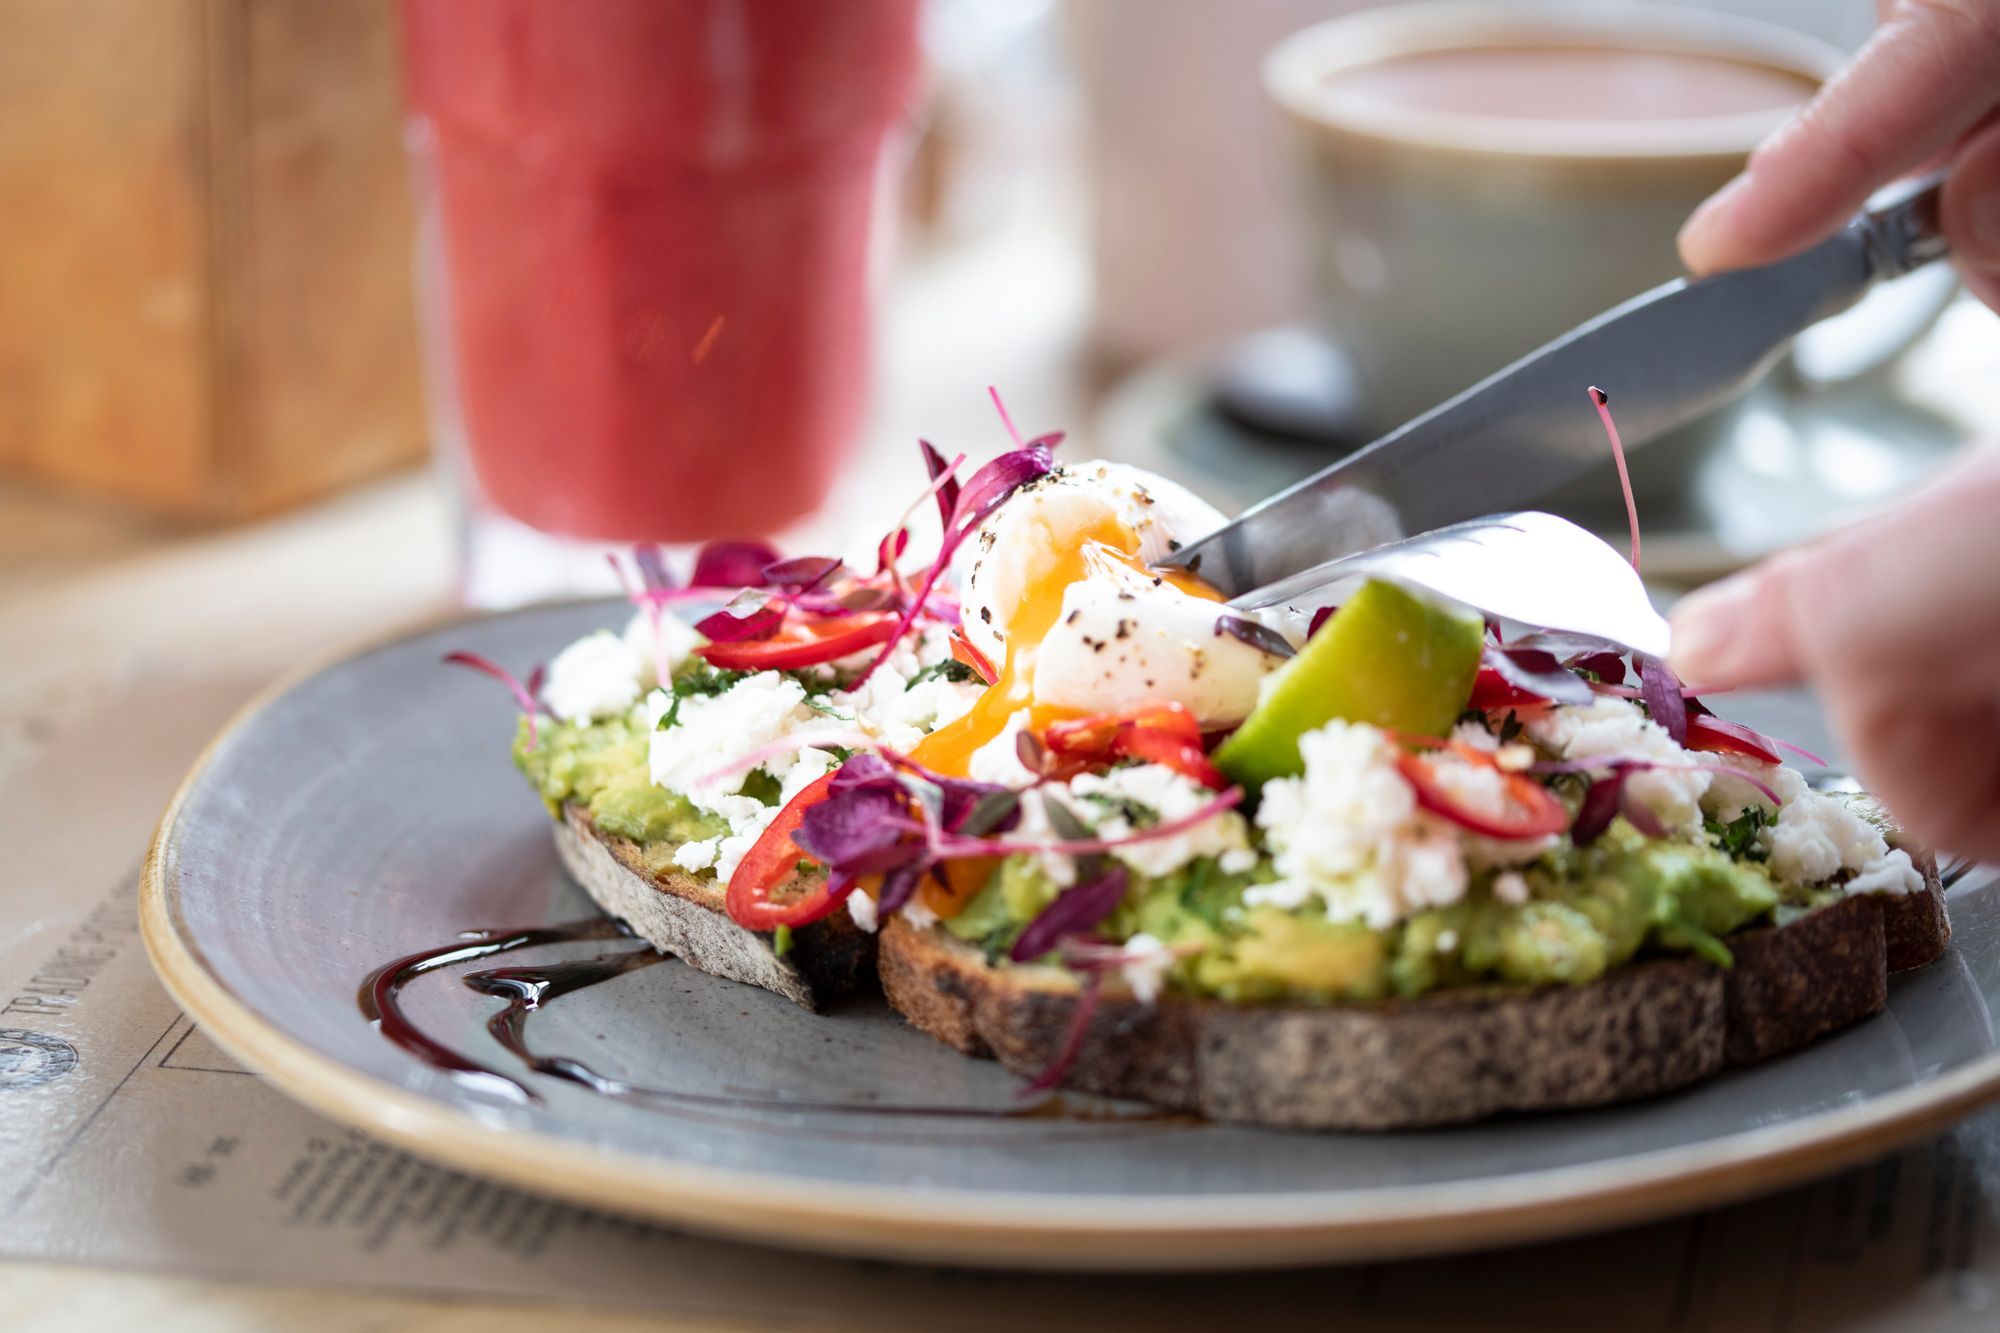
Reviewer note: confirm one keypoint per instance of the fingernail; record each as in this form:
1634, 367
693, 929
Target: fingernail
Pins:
1712, 629
1699, 232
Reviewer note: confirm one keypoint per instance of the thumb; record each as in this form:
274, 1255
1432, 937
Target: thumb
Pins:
1740, 632
1930, 73
1905, 599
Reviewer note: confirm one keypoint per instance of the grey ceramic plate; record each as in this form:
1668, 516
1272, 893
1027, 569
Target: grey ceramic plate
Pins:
369, 810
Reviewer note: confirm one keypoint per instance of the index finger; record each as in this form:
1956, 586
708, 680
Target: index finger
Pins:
1929, 73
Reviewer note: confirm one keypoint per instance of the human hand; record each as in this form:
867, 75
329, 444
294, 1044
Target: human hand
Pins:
1896, 622
1923, 91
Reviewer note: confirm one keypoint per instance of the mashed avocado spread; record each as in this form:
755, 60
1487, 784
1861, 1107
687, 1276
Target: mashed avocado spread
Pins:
1591, 909
602, 767
1588, 909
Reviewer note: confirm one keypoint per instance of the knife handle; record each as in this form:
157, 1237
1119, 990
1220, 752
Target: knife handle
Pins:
1903, 233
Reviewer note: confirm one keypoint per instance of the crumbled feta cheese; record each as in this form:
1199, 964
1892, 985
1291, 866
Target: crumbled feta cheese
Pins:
1447, 941
663, 651
697, 856
862, 908
1473, 733
1817, 836
712, 733
1147, 959
1349, 833
595, 677
999, 760
1510, 888
1729, 796
1890, 873
1097, 799
900, 713
1610, 727
918, 913
701, 755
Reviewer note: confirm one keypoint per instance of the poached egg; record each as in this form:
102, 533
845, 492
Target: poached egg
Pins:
1058, 590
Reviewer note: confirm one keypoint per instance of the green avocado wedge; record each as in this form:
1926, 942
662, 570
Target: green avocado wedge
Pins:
1388, 657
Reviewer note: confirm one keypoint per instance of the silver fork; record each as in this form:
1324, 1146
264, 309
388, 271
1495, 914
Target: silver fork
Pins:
1530, 567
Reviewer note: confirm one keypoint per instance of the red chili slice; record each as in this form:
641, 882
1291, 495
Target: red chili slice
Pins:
772, 862
1158, 733
1532, 810
963, 651
1491, 690
803, 643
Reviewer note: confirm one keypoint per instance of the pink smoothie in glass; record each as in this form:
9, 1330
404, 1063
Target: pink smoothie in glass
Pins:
654, 221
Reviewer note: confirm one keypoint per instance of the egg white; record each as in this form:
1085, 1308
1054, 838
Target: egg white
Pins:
1122, 637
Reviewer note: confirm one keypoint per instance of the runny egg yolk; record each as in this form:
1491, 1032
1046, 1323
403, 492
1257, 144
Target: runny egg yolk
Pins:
1070, 558
1105, 546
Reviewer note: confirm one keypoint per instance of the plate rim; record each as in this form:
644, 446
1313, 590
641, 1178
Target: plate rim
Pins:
1129, 1232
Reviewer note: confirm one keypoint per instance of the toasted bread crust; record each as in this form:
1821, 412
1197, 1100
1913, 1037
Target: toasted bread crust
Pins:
1448, 1057
686, 917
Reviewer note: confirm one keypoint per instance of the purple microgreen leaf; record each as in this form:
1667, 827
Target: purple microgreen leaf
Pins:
1259, 636
731, 564
1639, 815
989, 487
997, 480
926, 795
975, 809
536, 679
1607, 667
899, 884
869, 597
947, 493
890, 549
1028, 748
1077, 910
1537, 671
1599, 808
801, 573
748, 616
1565, 645
1661, 690
861, 831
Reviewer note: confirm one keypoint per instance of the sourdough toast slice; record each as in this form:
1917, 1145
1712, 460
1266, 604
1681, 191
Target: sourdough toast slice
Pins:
686, 917
1447, 1057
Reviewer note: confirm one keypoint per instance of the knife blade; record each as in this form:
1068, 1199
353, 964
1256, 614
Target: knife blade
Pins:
1666, 357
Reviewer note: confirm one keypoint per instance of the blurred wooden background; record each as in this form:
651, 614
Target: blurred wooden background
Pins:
205, 305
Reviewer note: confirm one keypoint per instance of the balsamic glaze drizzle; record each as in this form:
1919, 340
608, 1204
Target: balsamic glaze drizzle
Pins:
530, 989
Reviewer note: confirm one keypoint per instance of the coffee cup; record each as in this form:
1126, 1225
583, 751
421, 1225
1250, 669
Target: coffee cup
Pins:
1477, 178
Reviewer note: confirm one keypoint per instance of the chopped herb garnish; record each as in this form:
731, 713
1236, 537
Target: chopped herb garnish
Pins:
951, 669
1136, 813
781, 941
672, 715
1739, 836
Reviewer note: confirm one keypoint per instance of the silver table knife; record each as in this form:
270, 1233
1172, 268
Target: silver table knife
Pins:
1666, 357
